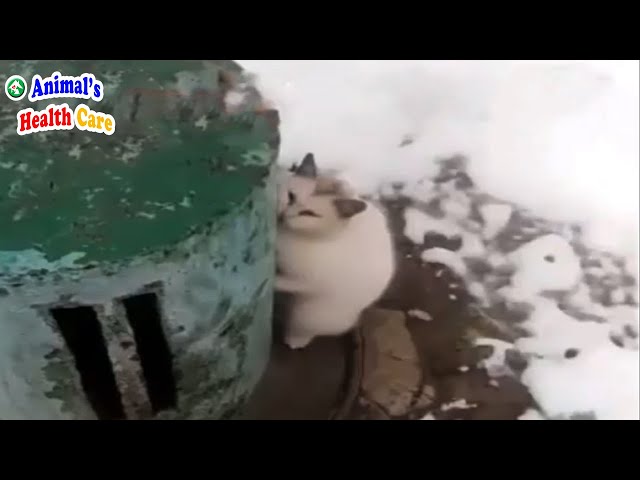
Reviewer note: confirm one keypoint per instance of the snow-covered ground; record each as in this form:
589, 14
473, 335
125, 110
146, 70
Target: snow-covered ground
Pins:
558, 139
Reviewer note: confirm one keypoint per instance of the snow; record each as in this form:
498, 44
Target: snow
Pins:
422, 315
495, 364
479, 292
553, 332
472, 246
618, 296
546, 263
531, 414
599, 377
558, 138
566, 135
445, 257
456, 206
459, 404
495, 216
602, 380
234, 99
417, 224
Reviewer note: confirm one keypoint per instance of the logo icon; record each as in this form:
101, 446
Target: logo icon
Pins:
15, 87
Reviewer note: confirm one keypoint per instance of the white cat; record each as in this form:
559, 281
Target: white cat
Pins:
335, 255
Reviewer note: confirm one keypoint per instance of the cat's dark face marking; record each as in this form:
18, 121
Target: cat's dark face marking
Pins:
308, 167
348, 207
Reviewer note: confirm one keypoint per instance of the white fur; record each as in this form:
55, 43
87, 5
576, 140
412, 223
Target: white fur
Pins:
303, 187
289, 182
335, 267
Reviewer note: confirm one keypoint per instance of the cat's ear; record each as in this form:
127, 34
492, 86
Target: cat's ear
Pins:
308, 167
348, 207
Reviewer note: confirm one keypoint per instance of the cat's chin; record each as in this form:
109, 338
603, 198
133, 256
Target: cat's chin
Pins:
297, 342
301, 227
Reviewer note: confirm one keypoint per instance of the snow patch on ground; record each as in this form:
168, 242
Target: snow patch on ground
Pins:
547, 263
495, 364
422, 315
459, 404
495, 216
418, 224
531, 414
445, 257
601, 380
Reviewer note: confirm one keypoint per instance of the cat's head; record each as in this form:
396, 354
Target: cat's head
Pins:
321, 213
302, 181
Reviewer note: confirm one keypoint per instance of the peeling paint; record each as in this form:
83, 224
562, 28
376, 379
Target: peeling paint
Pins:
24, 261
217, 308
150, 157
87, 221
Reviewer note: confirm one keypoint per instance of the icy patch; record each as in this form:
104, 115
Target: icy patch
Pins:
495, 216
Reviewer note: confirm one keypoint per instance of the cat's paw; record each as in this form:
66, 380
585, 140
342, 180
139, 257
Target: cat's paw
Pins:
296, 342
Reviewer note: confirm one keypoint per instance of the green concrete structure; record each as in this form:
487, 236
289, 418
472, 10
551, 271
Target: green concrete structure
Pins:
136, 269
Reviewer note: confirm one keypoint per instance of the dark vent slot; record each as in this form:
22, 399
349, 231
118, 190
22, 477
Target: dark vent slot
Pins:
143, 314
82, 333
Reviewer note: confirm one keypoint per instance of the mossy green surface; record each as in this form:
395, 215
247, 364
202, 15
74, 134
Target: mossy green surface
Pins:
176, 161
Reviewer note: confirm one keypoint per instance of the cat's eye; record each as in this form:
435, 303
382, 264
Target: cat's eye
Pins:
308, 213
292, 198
